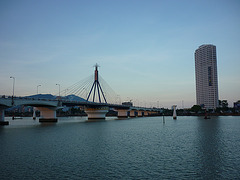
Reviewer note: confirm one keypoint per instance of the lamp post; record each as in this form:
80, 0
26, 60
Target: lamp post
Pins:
37, 87
58, 89
13, 83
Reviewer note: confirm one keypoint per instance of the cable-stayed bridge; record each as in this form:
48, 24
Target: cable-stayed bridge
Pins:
93, 88
96, 104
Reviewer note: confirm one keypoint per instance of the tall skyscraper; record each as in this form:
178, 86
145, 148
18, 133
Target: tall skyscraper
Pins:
206, 76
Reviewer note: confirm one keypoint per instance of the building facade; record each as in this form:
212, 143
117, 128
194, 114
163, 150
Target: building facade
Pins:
206, 76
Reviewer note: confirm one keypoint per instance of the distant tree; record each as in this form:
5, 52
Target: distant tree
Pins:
196, 108
220, 103
224, 104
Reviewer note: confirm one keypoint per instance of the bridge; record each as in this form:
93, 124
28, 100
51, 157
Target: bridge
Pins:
95, 106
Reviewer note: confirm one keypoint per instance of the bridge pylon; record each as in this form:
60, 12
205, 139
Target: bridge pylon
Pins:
96, 88
96, 113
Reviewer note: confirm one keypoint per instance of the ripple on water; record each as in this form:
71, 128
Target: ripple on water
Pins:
140, 148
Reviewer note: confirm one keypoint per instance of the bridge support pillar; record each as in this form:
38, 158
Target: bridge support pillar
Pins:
47, 114
145, 113
132, 113
122, 113
151, 113
2, 121
96, 114
140, 113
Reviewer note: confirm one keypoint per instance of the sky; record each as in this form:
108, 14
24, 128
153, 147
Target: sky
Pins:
145, 48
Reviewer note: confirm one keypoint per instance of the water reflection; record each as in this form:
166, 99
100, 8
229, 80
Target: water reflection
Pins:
210, 150
137, 148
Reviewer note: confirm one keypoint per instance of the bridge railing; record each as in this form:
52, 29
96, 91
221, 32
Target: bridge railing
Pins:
109, 104
25, 98
79, 102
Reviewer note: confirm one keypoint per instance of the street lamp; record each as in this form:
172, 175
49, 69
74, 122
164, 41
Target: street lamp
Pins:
37, 87
58, 88
13, 83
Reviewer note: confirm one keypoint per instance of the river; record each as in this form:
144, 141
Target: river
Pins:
135, 148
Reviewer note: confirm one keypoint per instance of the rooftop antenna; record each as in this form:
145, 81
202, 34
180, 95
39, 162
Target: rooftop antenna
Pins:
97, 87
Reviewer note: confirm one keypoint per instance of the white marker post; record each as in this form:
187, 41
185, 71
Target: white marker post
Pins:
174, 112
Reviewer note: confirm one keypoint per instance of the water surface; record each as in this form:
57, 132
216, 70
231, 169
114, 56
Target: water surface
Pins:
136, 148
